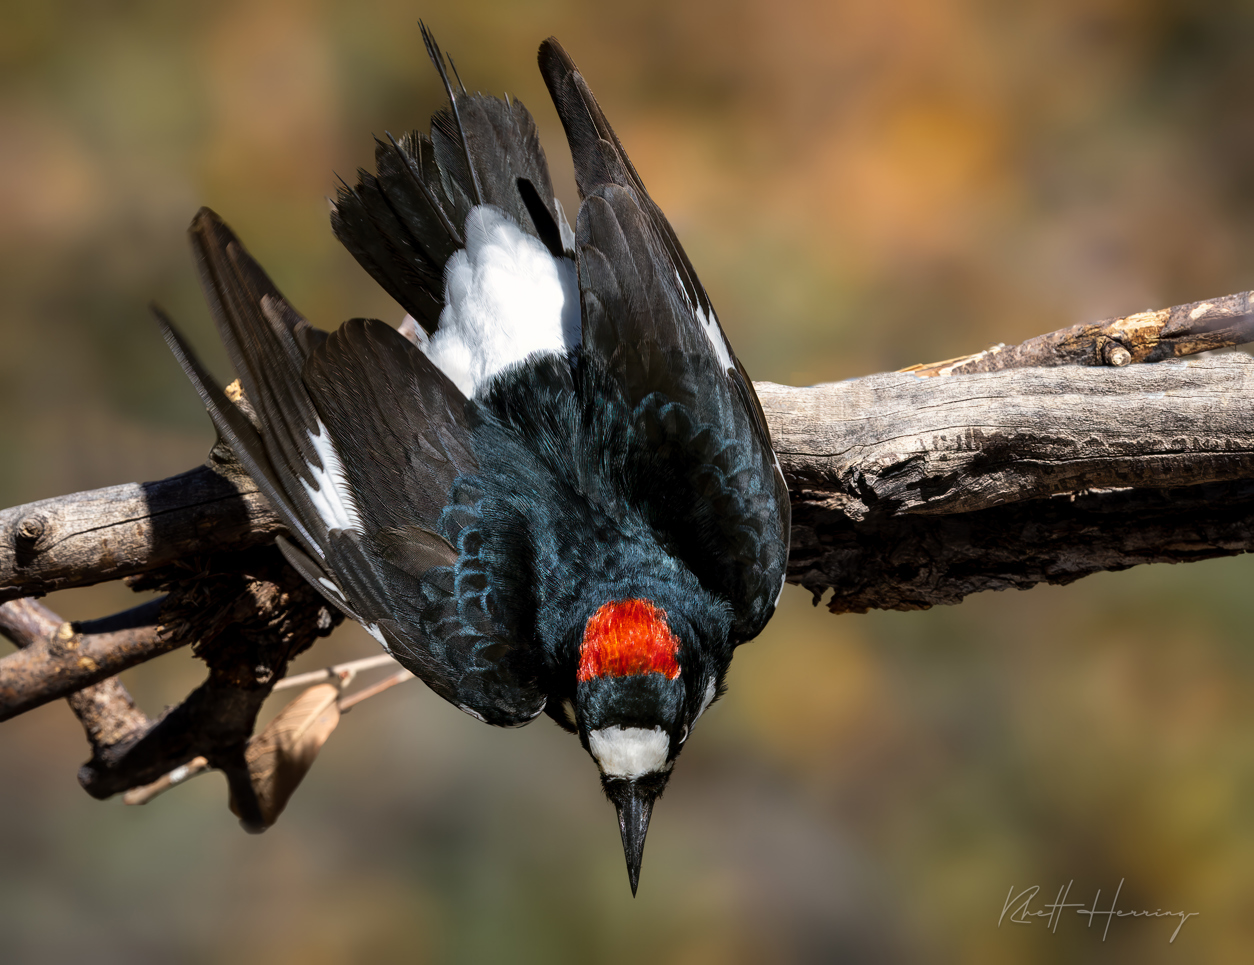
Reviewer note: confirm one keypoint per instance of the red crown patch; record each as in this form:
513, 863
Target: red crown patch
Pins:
627, 637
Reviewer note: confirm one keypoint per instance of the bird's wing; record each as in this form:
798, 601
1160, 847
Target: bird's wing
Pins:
714, 489
361, 446
403, 223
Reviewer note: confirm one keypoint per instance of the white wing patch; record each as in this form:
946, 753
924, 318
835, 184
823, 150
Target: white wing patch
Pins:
706, 699
709, 324
563, 227
506, 298
329, 493
331, 588
629, 752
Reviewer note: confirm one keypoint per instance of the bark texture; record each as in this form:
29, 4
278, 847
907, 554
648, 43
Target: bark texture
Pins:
909, 492
1042, 462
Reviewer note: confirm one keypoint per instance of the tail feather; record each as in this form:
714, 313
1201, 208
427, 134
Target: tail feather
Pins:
601, 161
404, 222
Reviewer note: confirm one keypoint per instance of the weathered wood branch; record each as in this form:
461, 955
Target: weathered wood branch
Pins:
892, 463
106, 711
247, 614
1142, 337
912, 492
77, 655
108, 534
908, 491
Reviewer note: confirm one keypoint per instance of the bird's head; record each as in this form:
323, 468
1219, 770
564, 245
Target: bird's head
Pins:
643, 680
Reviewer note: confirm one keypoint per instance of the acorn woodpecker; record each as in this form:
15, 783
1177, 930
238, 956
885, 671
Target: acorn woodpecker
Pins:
558, 493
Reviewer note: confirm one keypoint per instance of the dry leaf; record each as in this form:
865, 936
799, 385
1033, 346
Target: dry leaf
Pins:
280, 755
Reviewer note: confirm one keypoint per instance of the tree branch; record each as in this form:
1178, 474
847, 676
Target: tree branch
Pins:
77, 655
106, 711
248, 614
858, 454
908, 491
108, 534
1142, 337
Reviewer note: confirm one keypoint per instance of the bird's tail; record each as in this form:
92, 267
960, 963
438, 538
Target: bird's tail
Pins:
405, 221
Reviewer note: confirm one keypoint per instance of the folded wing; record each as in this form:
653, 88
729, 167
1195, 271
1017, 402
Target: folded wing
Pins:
710, 478
362, 447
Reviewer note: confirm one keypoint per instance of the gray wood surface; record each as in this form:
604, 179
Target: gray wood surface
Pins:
908, 491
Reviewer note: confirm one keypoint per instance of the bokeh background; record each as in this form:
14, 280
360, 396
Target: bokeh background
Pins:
862, 186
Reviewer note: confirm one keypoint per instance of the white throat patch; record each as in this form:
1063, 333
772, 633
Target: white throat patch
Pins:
629, 752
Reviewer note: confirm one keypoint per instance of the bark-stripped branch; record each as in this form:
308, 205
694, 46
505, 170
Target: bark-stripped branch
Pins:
1143, 337
1012, 468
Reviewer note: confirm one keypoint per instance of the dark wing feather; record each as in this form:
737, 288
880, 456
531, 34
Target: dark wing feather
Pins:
397, 427
715, 492
403, 223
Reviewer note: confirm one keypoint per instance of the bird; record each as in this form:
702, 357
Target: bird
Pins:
552, 489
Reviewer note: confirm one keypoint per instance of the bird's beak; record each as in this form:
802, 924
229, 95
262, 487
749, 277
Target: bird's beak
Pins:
634, 804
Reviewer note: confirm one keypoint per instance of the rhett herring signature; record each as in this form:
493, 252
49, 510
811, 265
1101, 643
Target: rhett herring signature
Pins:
1018, 907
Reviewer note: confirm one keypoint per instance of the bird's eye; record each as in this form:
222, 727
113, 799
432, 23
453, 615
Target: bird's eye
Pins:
684, 736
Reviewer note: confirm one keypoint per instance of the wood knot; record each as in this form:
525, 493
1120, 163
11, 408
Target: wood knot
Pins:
31, 528
27, 536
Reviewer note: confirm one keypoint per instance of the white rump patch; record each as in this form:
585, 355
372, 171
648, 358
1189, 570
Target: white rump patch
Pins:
374, 631
506, 298
330, 493
629, 752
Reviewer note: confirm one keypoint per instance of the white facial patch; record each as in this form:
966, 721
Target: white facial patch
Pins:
330, 494
506, 298
629, 752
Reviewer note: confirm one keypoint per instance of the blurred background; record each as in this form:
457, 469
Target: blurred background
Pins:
862, 186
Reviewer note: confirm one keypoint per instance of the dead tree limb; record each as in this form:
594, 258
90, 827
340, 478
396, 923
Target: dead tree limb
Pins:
1010, 469
78, 655
1142, 337
108, 534
890, 463
106, 711
246, 613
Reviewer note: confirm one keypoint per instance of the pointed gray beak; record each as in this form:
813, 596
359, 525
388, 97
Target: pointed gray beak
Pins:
634, 804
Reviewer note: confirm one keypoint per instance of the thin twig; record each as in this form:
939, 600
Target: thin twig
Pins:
387, 682
344, 671
142, 795
199, 765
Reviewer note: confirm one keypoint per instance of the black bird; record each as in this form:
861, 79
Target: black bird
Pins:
559, 495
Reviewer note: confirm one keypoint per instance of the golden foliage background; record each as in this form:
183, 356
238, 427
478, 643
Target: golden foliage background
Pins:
861, 186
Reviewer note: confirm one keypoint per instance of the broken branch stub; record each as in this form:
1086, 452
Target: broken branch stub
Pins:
1151, 336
